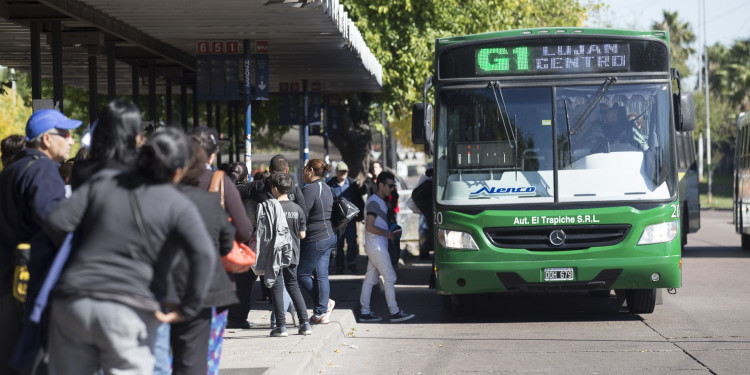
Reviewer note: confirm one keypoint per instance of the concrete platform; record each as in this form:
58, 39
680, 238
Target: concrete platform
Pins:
253, 351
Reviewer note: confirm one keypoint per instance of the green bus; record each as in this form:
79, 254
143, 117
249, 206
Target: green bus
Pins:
555, 164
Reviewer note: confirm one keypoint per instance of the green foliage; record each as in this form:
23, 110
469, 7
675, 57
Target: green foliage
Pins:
729, 73
681, 37
722, 119
402, 35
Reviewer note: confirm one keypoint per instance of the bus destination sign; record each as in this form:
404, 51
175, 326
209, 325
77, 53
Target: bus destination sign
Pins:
552, 59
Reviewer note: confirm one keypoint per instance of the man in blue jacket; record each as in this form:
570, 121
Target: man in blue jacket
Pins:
30, 188
344, 186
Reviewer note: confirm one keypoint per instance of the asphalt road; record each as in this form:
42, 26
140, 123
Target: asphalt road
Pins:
703, 329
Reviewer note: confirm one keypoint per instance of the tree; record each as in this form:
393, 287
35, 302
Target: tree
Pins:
729, 73
14, 111
681, 37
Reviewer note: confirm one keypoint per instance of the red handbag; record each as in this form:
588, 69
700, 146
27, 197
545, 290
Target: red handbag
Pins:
242, 256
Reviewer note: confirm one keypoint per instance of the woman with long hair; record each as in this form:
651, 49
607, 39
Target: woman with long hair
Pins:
114, 141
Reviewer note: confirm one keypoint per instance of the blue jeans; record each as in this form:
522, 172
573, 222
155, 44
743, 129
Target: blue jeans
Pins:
313, 260
161, 350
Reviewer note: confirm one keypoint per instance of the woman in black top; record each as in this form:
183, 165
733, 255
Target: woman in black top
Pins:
315, 249
106, 305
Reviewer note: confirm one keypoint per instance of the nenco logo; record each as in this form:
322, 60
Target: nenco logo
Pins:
493, 191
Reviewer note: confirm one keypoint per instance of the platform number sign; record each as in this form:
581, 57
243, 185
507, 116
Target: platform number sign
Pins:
217, 66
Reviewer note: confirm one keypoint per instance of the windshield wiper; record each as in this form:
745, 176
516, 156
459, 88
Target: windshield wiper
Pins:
512, 141
567, 124
495, 86
608, 82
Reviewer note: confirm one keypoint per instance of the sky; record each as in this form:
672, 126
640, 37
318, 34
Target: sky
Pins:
726, 20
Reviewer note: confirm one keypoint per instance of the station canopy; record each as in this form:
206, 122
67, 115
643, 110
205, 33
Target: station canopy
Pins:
311, 40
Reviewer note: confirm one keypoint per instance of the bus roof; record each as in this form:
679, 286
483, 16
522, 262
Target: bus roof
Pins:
548, 31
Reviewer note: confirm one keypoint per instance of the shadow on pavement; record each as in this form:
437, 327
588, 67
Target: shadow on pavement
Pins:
715, 252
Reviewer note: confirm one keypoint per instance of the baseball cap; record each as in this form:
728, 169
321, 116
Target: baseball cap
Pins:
341, 166
44, 120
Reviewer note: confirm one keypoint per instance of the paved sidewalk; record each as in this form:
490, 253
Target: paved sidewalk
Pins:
253, 351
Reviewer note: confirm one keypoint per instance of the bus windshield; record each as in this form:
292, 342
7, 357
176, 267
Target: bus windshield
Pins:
607, 142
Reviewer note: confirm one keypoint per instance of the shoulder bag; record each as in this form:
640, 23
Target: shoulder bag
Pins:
241, 257
342, 212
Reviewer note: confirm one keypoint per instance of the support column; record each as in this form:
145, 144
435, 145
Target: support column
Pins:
57, 71
111, 73
183, 101
135, 83
246, 44
218, 132
324, 124
209, 113
230, 132
152, 91
36, 60
304, 132
168, 100
196, 114
93, 97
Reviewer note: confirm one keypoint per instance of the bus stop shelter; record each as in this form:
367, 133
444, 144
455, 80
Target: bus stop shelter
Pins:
146, 47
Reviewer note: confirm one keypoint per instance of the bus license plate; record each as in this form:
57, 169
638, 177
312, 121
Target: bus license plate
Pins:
558, 274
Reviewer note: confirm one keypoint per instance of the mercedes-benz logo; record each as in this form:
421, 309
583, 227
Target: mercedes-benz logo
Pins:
557, 237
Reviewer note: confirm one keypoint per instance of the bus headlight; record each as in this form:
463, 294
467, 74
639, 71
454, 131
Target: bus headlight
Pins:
452, 239
658, 233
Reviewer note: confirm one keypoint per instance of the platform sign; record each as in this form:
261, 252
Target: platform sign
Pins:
217, 65
262, 83
261, 46
294, 87
289, 110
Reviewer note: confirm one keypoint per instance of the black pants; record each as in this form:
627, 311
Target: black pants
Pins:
244, 283
10, 326
189, 341
288, 278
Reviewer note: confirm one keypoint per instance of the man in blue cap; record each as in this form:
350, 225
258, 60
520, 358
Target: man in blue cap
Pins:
30, 188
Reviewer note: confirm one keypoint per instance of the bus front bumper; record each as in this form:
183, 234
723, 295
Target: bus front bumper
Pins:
590, 274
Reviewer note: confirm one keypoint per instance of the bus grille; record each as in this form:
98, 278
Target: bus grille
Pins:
576, 237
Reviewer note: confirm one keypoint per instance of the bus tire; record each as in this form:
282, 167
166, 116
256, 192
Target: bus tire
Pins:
641, 301
603, 293
745, 241
458, 304
685, 221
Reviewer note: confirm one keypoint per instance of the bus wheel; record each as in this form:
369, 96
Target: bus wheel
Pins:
641, 301
458, 304
745, 241
685, 220
600, 293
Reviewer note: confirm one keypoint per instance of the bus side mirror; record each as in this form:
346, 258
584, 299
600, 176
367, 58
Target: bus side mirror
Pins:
687, 112
421, 126
417, 124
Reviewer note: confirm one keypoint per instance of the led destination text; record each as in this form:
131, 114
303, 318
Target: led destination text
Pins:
578, 58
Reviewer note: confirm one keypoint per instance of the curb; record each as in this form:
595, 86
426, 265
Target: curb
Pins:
308, 355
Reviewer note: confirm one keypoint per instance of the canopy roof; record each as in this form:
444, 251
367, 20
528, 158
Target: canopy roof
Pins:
311, 40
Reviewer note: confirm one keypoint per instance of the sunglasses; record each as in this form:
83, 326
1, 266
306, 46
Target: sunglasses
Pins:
65, 133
